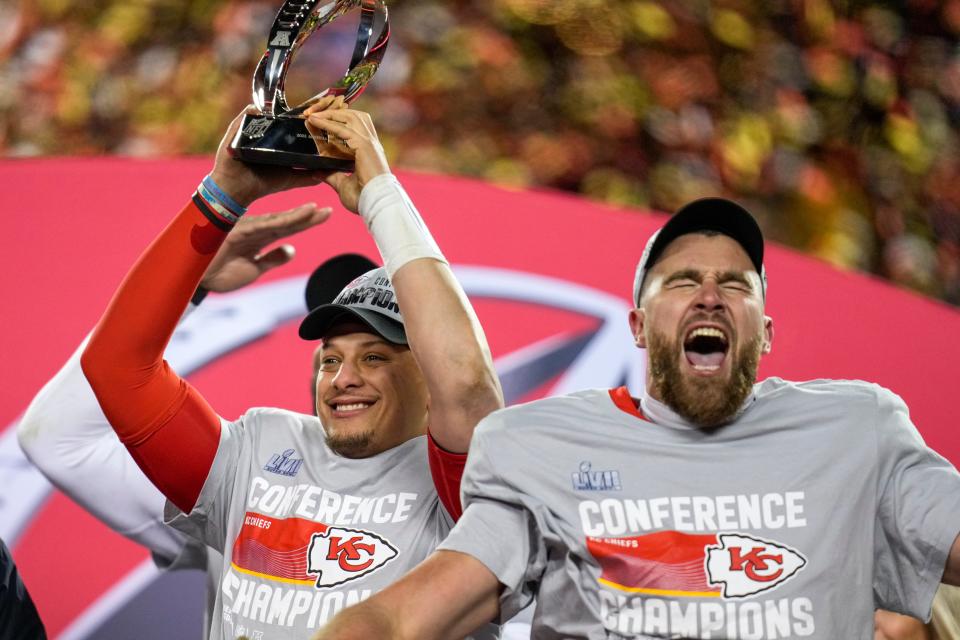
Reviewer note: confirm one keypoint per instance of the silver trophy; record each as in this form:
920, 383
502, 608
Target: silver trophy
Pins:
277, 134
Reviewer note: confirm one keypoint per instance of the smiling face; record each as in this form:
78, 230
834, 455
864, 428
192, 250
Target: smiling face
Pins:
701, 319
371, 395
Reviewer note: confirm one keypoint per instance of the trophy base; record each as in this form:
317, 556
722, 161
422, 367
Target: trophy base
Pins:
286, 142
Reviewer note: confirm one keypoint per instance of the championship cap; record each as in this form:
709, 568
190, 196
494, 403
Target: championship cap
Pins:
706, 214
369, 299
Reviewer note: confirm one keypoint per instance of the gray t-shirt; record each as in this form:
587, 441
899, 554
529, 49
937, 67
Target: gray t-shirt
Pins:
817, 505
305, 532
196, 555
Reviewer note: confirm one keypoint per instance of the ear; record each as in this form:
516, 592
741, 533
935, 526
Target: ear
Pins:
637, 319
767, 334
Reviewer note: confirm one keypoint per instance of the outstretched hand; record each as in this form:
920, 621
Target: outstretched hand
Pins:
241, 259
354, 131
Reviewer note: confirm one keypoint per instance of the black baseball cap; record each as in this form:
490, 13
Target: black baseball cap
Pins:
333, 275
368, 299
706, 214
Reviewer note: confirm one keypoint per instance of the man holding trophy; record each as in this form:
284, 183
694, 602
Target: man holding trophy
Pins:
311, 513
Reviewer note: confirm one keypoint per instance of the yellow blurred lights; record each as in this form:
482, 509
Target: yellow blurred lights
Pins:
904, 136
652, 21
595, 30
746, 145
542, 11
732, 29
820, 18
126, 23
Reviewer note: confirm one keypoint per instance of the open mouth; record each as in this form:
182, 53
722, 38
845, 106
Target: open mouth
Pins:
706, 348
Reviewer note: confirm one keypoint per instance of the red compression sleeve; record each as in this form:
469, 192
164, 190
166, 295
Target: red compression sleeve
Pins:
167, 426
447, 471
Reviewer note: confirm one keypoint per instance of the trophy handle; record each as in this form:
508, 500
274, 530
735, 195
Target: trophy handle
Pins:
365, 32
295, 21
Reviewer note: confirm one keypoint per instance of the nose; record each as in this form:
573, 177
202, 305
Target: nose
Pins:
709, 296
347, 376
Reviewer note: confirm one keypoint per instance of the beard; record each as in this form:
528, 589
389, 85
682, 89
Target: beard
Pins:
349, 445
705, 402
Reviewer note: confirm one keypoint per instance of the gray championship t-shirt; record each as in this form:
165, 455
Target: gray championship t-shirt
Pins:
819, 504
196, 555
305, 532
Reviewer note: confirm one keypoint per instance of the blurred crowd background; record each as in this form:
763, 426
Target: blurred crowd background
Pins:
836, 121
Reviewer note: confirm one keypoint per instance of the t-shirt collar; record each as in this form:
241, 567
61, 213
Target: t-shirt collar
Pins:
657, 412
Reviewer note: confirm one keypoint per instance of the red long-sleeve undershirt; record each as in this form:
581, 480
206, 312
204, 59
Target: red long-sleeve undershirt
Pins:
446, 468
167, 426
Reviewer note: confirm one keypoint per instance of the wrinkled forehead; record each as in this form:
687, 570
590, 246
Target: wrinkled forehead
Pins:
709, 251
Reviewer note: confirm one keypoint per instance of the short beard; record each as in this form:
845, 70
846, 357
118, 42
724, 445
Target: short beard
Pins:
705, 402
350, 445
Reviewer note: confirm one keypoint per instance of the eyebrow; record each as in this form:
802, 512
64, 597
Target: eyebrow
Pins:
735, 276
363, 345
697, 276
684, 274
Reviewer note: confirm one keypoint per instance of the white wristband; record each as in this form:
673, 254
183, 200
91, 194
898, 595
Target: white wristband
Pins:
395, 224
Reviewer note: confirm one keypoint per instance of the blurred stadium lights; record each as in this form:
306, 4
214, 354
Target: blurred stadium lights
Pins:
836, 121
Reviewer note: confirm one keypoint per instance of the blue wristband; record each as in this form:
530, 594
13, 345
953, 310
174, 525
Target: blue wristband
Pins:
220, 195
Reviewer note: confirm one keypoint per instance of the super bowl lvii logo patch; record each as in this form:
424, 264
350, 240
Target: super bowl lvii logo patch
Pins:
587, 479
284, 464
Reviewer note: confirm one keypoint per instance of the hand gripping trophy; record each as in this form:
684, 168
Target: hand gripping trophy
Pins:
277, 134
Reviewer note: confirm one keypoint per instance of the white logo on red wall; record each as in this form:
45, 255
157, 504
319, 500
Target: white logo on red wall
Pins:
745, 565
339, 555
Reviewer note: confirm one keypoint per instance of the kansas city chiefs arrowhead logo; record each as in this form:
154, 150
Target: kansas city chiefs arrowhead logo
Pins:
746, 565
339, 555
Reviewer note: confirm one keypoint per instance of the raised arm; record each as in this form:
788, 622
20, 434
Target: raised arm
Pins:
65, 434
409, 609
450, 348
442, 328
169, 429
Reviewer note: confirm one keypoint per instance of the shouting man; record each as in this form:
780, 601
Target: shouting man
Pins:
711, 506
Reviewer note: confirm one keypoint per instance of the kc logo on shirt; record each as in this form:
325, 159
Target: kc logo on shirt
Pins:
339, 555
746, 565
729, 565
